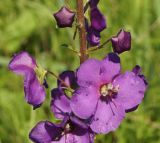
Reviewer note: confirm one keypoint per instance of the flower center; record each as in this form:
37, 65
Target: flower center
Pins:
108, 90
68, 127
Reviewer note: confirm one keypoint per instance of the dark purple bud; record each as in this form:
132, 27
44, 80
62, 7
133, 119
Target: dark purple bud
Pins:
64, 17
93, 37
93, 3
121, 42
98, 21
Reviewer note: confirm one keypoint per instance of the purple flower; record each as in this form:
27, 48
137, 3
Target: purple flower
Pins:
98, 21
66, 132
60, 103
71, 129
64, 17
105, 93
26, 66
121, 42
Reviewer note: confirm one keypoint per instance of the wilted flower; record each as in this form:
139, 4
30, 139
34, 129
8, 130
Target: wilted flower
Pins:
98, 21
105, 93
64, 17
25, 65
121, 42
71, 129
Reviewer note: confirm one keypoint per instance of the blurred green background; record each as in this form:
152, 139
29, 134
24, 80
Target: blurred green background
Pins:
29, 25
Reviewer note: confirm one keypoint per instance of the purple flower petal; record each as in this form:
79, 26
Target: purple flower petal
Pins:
118, 116
78, 135
64, 17
69, 78
108, 117
131, 90
110, 68
69, 138
34, 91
60, 104
85, 136
137, 70
84, 101
21, 63
96, 73
88, 73
79, 122
45, 132
98, 21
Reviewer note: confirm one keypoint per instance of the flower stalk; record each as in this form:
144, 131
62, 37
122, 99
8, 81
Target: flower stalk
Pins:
99, 47
82, 31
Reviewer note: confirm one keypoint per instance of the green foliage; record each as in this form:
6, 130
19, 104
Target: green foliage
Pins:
29, 25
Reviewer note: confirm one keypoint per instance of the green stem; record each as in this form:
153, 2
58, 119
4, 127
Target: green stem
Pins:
75, 51
99, 47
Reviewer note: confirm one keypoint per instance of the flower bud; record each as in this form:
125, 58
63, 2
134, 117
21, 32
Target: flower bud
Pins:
93, 37
64, 17
98, 21
121, 42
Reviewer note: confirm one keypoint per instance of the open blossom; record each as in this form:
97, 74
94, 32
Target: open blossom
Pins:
66, 132
26, 66
64, 17
105, 93
71, 129
121, 42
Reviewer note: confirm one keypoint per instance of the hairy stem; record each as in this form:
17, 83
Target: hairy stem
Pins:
82, 31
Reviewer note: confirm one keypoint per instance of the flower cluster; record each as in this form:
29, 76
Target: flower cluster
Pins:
101, 98
91, 100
